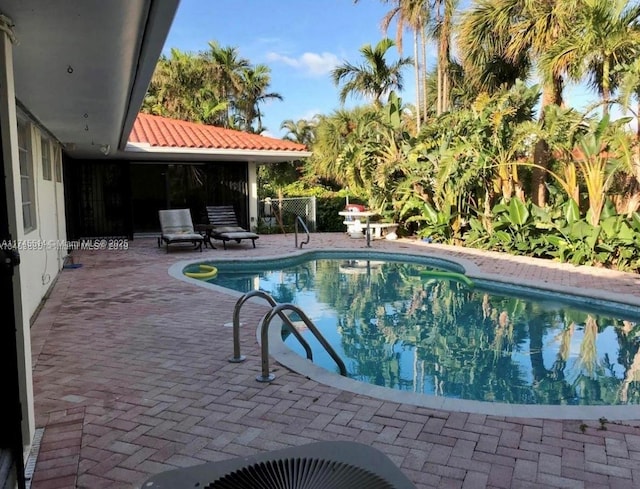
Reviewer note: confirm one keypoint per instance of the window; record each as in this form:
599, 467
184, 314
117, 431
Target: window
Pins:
46, 158
26, 177
57, 164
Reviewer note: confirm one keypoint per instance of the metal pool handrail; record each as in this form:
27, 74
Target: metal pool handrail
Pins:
264, 340
306, 230
237, 357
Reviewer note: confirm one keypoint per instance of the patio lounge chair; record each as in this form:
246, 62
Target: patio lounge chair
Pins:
176, 227
226, 227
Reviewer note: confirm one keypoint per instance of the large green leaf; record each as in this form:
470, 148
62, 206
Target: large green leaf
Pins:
580, 231
502, 237
430, 213
592, 238
499, 208
571, 211
625, 233
476, 225
557, 241
610, 226
518, 212
608, 210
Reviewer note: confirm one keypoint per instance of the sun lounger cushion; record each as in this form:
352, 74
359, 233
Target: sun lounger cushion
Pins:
176, 227
229, 229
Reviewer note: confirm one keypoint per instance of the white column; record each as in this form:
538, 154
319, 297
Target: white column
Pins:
9, 134
252, 175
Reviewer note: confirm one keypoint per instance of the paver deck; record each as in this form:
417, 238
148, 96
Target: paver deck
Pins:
131, 378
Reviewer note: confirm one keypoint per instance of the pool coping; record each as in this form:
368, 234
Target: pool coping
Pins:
294, 362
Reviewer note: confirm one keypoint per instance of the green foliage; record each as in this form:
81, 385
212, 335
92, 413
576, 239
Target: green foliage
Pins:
516, 227
437, 225
363, 149
217, 87
374, 77
327, 217
526, 229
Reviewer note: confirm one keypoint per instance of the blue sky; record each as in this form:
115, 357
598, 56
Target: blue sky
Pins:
301, 41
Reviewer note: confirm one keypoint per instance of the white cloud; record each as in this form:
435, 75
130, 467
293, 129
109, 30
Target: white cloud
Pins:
310, 114
269, 134
312, 64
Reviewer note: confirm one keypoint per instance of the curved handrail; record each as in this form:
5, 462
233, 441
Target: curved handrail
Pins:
237, 357
264, 340
306, 230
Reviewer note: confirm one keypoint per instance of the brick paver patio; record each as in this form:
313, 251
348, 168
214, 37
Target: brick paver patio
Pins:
131, 379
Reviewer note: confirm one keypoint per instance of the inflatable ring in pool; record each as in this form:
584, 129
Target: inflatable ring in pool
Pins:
452, 275
206, 271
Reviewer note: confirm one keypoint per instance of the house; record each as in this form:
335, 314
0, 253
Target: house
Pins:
168, 164
80, 161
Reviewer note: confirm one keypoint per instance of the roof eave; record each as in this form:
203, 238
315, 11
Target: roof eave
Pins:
146, 151
159, 20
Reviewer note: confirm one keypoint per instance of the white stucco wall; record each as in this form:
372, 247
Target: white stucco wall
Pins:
43, 248
9, 133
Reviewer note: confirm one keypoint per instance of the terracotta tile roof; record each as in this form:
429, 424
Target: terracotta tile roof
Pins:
171, 133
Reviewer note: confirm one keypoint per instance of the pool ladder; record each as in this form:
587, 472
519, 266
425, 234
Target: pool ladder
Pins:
278, 310
306, 230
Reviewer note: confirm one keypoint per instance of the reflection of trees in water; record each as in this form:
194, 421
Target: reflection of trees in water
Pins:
466, 342
469, 344
418, 333
629, 356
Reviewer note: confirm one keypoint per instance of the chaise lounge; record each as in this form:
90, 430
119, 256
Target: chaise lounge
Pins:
225, 225
177, 227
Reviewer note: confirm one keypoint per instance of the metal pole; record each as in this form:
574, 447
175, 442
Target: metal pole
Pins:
368, 233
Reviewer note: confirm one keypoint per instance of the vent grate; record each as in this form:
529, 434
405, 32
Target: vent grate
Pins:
305, 473
321, 465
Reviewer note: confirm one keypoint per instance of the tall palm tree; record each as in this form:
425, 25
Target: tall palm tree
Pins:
443, 28
301, 131
483, 46
255, 81
519, 31
414, 15
605, 34
181, 87
374, 78
630, 87
227, 69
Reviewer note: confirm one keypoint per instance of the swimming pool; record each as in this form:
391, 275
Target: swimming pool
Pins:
397, 326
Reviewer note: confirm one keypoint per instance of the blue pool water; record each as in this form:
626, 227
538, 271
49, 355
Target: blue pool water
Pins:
397, 325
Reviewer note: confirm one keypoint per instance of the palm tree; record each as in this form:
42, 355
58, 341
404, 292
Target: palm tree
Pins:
181, 87
301, 131
227, 69
255, 81
442, 31
519, 31
374, 78
412, 14
485, 62
333, 133
630, 86
606, 34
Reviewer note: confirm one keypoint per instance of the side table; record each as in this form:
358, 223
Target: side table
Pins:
205, 230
